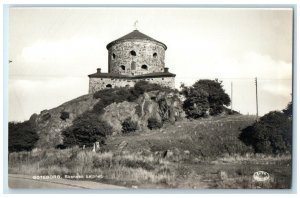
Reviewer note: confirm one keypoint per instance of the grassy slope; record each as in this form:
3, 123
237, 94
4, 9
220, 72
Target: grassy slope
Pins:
213, 137
216, 158
189, 154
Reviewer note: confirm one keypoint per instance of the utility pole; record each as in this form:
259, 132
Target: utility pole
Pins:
231, 97
256, 99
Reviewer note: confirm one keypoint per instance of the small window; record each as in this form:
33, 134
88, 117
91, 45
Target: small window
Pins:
109, 86
162, 78
145, 67
132, 52
122, 67
133, 65
132, 74
113, 56
155, 55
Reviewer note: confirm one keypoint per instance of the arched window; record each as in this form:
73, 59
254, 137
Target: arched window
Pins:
109, 86
145, 67
113, 56
132, 52
155, 55
122, 67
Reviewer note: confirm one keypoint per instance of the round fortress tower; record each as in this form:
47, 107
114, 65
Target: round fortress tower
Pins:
136, 54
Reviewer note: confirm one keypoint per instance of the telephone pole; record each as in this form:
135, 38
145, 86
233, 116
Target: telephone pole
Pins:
231, 97
256, 99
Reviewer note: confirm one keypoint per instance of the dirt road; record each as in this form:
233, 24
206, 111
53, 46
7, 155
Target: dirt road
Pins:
27, 182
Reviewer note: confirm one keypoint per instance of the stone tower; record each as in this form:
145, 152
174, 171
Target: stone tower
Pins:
131, 58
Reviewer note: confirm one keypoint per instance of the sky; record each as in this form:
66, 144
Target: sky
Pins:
54, 49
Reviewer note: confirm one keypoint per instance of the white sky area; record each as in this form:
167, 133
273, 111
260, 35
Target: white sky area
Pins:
54, 49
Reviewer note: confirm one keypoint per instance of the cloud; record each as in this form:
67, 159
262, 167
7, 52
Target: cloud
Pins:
31, 96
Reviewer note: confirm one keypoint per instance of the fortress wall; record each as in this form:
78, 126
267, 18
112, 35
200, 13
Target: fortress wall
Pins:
96, 84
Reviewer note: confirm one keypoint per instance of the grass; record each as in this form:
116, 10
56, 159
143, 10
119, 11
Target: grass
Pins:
200, 154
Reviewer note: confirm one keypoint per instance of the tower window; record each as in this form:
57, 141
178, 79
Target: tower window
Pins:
145, 67
155, 55
122, 67
133, 65
113, 56
109, 86
132, 52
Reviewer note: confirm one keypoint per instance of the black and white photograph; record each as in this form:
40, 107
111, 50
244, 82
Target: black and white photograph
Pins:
150, 97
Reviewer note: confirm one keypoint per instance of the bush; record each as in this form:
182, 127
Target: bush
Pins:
271, 134
288, 111
203, 96
21, 136
129, 126
153, 123
64, 115
86, 130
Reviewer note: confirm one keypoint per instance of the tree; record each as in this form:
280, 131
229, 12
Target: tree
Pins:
288, 111
86, 130
271, 134
21, 136
203, 96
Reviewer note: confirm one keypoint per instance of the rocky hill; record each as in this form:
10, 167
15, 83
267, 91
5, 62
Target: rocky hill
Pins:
49, 123
163, 106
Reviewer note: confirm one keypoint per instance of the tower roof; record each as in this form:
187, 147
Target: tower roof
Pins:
133, 36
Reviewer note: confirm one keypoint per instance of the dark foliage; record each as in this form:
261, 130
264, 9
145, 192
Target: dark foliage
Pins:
21, 136
230, 112
64, 115
288, 111
153, 123
86, 130
271, 134
129, 126
204, 97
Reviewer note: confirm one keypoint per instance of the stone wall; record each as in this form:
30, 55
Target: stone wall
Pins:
96, 84
136, 57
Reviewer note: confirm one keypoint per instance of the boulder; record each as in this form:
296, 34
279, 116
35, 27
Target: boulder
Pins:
162, 106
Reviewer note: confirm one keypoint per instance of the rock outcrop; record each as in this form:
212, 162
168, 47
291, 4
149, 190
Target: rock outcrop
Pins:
49, 123
164, 107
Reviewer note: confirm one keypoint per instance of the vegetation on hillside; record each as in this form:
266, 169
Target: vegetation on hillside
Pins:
272, 133
129, 126
199, 154
204, 97
86, 130
22, 136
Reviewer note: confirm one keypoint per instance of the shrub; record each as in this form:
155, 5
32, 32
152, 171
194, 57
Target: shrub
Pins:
204, 95
153, 123
271, 134
129, 126
288, 111
64, 115
21, 136
86, 130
